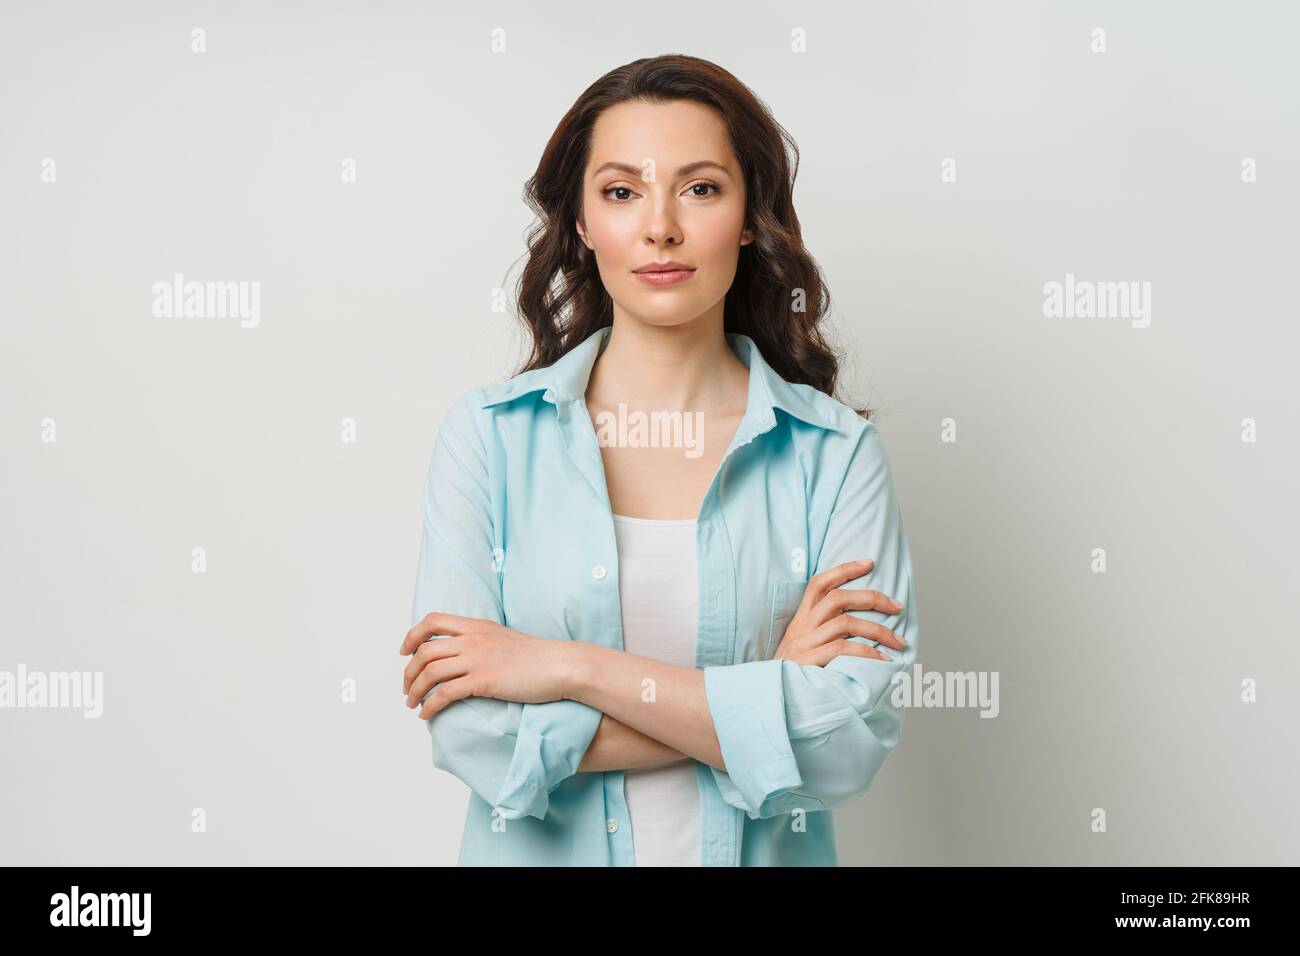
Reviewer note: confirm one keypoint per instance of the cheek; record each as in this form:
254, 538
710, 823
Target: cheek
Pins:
716, 241
719, 231
718, 248
612, 236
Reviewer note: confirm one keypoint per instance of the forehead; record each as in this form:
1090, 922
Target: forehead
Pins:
671, 134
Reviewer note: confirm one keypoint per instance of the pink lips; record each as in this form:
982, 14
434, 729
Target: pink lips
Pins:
665, 278
663, 273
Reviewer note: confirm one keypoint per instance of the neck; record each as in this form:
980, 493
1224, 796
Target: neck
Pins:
668, 368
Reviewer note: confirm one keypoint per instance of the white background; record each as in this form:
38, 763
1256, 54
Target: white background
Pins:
1119, 691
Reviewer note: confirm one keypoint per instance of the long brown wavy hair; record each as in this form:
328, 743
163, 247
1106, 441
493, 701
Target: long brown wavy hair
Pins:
778, 297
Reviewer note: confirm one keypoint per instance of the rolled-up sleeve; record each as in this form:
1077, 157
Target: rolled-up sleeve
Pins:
510, 754
801, 735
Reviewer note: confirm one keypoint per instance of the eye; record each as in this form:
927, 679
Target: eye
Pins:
710, 189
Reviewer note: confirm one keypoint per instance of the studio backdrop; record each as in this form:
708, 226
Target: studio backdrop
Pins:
1061, 246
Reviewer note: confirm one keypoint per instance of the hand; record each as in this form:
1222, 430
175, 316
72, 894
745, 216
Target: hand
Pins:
814, 635
480, 658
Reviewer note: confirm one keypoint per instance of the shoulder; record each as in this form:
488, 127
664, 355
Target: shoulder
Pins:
469, 418
841, 425
517, 386
463, 424
848, 450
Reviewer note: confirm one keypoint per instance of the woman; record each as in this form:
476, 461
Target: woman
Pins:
673, 643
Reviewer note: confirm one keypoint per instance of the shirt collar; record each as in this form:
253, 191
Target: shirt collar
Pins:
566, 380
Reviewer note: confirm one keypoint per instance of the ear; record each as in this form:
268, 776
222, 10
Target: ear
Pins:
582, 233
746, 237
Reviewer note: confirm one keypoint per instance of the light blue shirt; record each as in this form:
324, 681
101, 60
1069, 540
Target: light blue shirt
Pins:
518, 530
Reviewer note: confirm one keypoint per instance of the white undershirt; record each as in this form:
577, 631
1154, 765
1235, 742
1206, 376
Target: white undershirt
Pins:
660, 598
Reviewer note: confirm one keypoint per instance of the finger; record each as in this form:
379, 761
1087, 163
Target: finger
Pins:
839, 600
432, 649
432, 674
846, 648
431, 624
819, 584
445, 693
846, 625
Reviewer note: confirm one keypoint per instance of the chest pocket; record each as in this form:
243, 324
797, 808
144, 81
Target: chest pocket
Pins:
785, 598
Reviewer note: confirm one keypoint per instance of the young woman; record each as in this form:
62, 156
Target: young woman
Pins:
664, 583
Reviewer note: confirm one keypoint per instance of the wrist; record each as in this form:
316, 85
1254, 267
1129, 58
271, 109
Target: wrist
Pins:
575, 676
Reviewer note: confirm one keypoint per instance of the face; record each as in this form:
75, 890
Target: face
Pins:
663, 183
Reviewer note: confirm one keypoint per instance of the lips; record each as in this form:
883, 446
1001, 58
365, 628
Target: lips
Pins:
664, 273
665, 277
669, 266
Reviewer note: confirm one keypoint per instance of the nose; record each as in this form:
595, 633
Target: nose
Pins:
662, 227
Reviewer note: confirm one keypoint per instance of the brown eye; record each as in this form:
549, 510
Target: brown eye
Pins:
612, 189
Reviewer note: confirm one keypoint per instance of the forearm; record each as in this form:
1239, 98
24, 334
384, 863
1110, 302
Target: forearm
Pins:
660, 700
617, 746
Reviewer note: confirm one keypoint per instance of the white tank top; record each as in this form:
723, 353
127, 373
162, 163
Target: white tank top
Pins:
660, 597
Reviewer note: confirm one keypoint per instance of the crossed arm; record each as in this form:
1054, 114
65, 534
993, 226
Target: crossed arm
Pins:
616, 746
617, 710
651, 712
674, 724
776, 734
654, 713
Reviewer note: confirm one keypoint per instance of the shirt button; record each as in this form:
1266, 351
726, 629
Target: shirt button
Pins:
598, 572
611, 825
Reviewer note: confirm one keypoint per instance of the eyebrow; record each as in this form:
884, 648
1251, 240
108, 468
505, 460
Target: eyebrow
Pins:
681, 170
